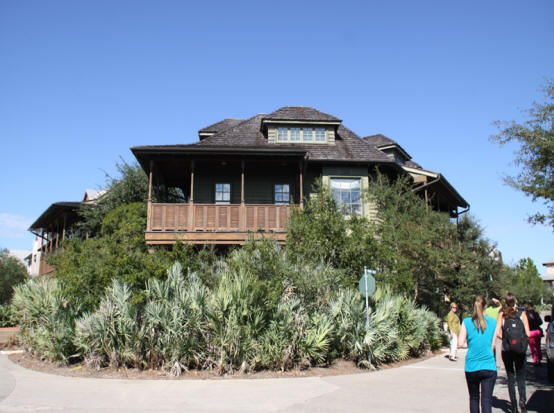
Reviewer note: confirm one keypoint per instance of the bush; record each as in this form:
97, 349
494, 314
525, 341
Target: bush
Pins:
46, 319
8, 316
12, 273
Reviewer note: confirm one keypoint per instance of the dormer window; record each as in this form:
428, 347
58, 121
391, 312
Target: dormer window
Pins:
301, 135
320, 135
308, 134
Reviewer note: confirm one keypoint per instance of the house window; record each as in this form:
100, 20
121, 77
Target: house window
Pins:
295, 134
282, 194
283, 135
346, 192
222, 193
299, 135
320, 135
308, 134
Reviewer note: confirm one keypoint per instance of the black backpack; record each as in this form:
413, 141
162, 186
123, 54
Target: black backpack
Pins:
514, 338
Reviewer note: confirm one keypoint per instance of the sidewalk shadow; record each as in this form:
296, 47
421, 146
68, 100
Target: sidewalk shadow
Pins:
541, 392
501, 404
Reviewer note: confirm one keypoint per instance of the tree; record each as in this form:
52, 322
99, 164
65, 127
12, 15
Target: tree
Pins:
12, 272
535, 155
131, 186
524, 281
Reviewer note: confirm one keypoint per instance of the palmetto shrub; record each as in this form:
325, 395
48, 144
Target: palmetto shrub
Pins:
111, 334
174, 320
256, 309
46, 320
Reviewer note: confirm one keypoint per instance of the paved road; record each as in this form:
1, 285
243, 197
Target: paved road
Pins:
434, 385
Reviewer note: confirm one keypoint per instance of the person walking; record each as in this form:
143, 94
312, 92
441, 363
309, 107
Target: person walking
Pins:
493, 308
453, 323
513, 327
478, 335
535, 332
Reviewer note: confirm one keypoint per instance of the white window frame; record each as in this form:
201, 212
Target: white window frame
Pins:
342, 191
320, 135
224, 194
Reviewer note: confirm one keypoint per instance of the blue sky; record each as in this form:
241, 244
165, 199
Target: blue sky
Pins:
83, 81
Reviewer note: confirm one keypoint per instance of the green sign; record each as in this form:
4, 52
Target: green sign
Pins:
367, 283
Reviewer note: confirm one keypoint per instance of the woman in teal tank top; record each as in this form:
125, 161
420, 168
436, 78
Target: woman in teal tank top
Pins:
477, 334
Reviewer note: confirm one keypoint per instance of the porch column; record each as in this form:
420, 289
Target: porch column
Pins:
149, 206
191, 197
63, 229
242, 203
301, 178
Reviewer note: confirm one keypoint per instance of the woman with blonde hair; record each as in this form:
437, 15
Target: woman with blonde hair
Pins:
478, 335
513, 328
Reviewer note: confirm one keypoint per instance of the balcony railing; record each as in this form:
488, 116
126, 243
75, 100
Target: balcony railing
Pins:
218, 218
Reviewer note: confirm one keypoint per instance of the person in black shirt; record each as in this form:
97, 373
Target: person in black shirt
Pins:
536, 333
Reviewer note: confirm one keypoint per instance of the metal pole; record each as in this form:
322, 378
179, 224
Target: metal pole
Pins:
367, 309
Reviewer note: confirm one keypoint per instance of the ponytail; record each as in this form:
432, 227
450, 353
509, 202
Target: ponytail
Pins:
511, 309
478, 318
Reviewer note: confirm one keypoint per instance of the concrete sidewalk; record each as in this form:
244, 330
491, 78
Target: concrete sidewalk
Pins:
434, 385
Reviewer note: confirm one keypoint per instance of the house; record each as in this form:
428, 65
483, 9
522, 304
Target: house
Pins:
548, 278
242, 176
51, 230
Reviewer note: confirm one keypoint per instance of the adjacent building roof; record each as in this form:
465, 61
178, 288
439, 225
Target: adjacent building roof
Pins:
52, 212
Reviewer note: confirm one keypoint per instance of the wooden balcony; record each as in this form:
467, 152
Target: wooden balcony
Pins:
215, 224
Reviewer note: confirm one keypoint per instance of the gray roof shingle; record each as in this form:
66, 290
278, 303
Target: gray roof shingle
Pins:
221, 125
300, 113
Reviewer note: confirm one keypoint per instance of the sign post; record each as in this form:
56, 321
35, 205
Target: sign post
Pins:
366, 285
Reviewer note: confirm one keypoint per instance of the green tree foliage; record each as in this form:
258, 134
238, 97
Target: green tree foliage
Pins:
535, 154
320, 234
12, 273
118, 252
524, 281
416, 253
130, 187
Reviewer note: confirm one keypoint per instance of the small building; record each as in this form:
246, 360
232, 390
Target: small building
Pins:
548, 278
243, 176
51, 230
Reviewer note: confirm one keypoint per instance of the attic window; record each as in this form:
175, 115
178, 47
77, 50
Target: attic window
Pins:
301, 135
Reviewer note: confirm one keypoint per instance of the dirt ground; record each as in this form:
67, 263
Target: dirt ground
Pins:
339, 367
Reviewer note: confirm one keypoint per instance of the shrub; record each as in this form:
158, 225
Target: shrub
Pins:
8, 316
46, 319
111, 335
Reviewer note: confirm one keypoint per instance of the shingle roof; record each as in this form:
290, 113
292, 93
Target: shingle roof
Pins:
300, 113
52, 211
248, 135
221, 125
379, 140
348, 146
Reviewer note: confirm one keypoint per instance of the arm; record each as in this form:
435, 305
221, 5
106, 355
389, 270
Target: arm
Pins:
525, 323
462, 337
498, 330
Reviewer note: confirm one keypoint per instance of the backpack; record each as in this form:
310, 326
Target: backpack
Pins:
514, 338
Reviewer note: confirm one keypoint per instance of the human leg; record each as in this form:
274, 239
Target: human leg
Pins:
520, 362
473, 381
535, 345
487, 387
508, 360
453, 345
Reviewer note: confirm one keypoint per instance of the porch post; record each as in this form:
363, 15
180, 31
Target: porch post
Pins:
149, 207
242, 204
63, 229
301, 175
191, 197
